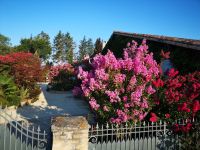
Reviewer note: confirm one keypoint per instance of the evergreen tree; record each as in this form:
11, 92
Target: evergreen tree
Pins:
59, 47
69, 48
64, 47
86, 47
82, 48
98, 46
43, 36
90, 47
4, 45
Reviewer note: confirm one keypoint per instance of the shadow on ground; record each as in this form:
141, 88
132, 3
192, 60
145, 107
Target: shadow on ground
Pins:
53, 104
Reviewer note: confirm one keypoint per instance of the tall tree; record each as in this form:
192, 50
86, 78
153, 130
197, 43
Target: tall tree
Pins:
64, 47
86, 47
4, 44
90, 47
43, 36
69, 48
82, 48
43, 45
39, 44
98, 46
59, 47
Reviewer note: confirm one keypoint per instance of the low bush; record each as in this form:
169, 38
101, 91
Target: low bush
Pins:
25, 68
176, 96
9, 92
62, 77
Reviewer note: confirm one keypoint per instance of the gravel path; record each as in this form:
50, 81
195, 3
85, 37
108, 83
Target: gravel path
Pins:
53, 104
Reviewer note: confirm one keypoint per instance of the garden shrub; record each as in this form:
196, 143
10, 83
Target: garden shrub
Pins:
86, 66
191, 139
9, 92
25, 69
177, 96
119, 90
62, 77
24, 94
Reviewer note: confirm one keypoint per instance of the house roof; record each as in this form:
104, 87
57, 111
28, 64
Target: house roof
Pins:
182, 42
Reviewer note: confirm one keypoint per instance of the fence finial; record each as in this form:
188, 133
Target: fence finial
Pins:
97, 126
38, 129
107, 126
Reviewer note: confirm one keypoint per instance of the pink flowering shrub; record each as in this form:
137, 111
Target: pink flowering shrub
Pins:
119, 90
61, 77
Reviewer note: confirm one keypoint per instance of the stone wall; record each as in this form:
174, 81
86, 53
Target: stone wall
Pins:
70, 133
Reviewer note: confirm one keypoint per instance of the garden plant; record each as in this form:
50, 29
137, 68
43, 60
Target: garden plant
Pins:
120, 90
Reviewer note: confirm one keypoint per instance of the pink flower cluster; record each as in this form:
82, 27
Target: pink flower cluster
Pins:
55, 70
116, 88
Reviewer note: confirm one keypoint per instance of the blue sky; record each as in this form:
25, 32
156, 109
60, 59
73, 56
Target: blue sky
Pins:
99, 18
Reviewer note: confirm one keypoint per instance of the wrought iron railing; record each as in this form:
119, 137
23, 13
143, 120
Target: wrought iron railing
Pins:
16, 135
139, 136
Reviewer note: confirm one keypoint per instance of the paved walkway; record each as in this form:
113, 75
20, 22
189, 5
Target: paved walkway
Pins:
53, 104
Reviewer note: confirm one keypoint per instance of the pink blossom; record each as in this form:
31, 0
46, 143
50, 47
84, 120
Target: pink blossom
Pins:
86, 91
150, 90
82, 74
127, 105
144, 104
136, 112
113, 95
112, 61
117, 120
126, 64
125, 98
94, 104
133, 80
100, 74
136, 96
105, 108
142, 115
119, 78
122, 115
99, 61
122, 90
94, 85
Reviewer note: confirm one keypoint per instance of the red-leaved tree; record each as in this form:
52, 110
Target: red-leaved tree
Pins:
26, 70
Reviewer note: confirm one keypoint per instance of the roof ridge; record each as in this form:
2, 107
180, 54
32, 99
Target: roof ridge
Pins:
192, 43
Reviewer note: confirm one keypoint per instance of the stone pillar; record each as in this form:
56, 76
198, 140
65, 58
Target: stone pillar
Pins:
70, 133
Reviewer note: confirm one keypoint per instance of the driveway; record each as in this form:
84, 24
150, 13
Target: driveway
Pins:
52, 104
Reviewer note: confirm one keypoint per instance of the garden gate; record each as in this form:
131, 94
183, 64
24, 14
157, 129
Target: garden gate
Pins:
145, 136
17, 135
